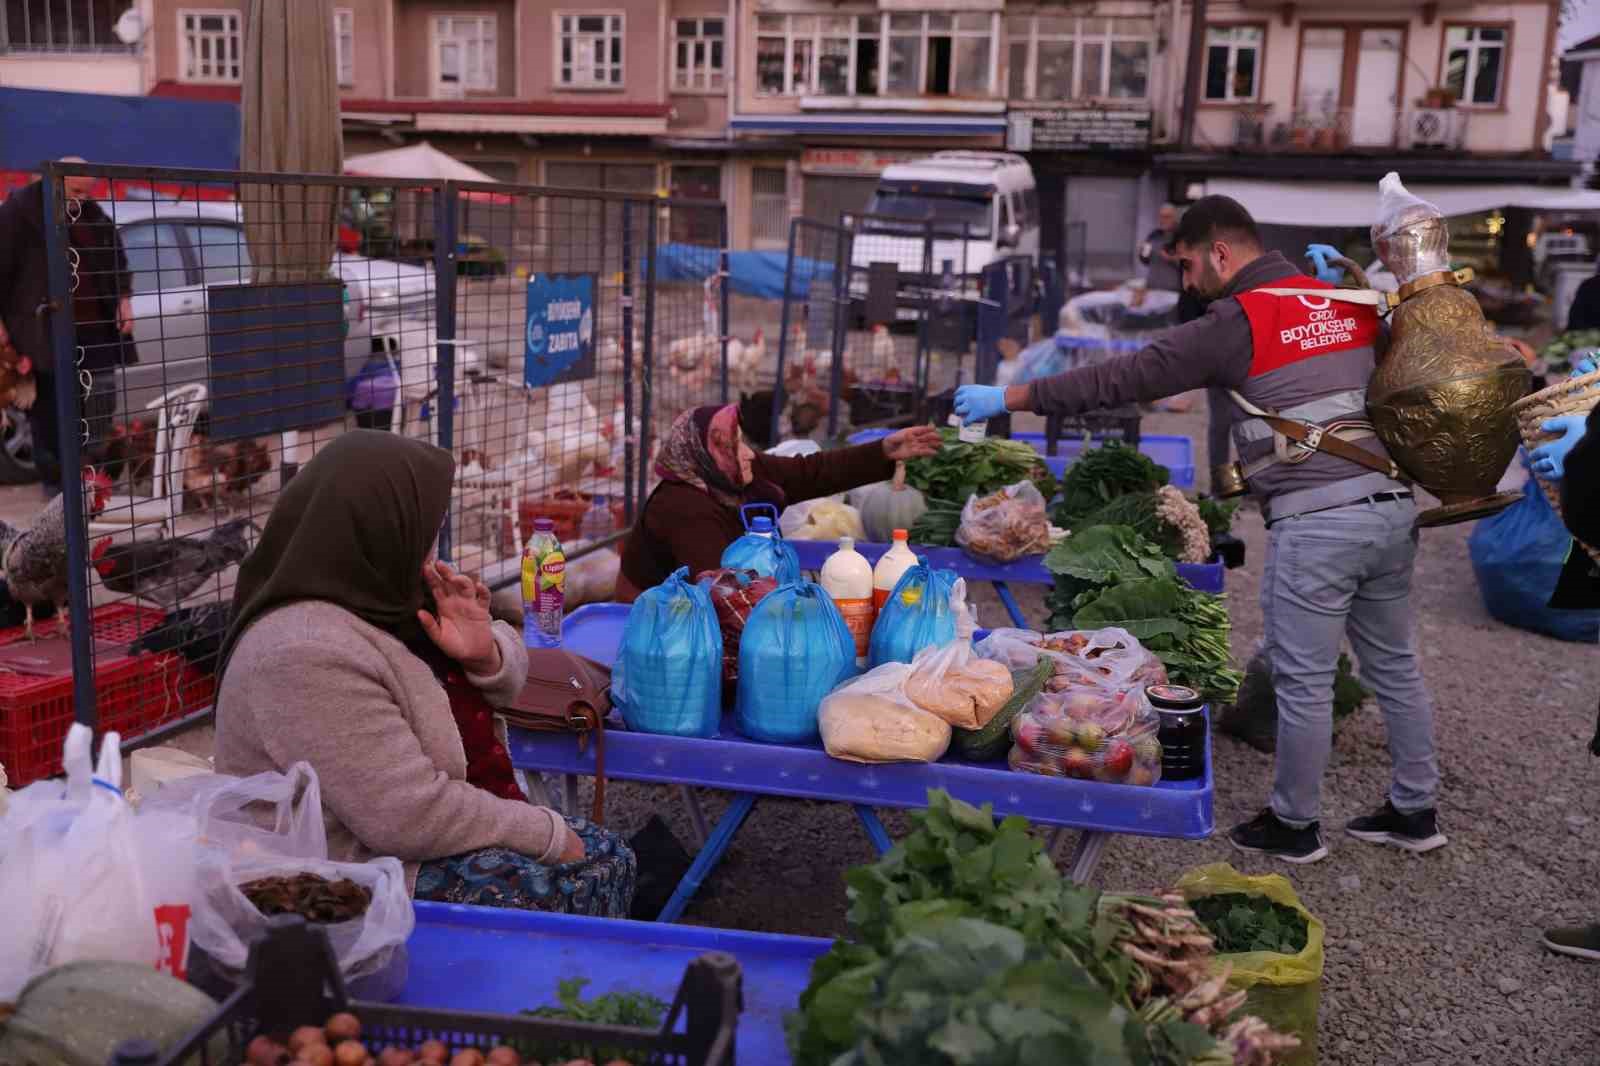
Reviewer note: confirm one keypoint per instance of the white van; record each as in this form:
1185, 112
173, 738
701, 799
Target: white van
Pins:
978, 206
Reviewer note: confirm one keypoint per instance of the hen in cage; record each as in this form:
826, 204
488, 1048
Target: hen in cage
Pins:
169, 570
131, 451
218, 475
34, 559
17, 386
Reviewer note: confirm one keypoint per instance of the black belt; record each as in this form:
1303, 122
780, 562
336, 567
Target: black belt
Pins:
1376, 497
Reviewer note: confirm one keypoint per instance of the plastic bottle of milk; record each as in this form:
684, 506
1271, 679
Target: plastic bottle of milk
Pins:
895, 562
847, 579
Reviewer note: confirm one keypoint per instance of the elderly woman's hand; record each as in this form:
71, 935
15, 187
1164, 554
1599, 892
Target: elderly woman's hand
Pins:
461, 629
918, 442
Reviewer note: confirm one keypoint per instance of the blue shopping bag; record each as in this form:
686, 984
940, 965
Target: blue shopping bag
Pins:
1517, 556
762, 547
668, 677
918, 613
795, 649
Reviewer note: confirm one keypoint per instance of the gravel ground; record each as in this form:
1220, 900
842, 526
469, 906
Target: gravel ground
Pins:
1431, 960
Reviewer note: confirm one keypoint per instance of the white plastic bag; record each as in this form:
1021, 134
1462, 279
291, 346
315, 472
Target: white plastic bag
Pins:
71, 879
167, 845
827, 518
958, 686
1110, 659
225, 922
270, 814
871, 719
1006, 525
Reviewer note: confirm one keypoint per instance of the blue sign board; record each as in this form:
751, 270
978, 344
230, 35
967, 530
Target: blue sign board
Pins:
559, 335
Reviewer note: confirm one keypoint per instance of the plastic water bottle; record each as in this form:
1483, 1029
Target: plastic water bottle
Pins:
760, 526
597, 523
544, 567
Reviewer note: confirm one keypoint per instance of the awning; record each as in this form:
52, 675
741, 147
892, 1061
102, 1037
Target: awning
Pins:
421, 160
40, 125
1355, 204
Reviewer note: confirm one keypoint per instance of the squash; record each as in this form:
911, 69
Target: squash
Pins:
888, 506
77, 1014
991, 742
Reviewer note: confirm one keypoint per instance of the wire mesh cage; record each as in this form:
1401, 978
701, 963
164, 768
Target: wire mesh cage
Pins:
210, 332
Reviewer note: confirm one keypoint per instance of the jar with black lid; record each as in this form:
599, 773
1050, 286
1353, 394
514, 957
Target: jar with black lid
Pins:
1183, 731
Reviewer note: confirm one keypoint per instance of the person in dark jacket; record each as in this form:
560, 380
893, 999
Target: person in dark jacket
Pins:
100, 307
1585, 310
1573, 460
708, 471
1341, 542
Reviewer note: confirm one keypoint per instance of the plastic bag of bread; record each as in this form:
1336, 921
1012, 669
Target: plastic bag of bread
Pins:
953, 683
870, 719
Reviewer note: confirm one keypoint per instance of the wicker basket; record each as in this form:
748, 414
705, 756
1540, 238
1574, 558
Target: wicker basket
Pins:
1574, 396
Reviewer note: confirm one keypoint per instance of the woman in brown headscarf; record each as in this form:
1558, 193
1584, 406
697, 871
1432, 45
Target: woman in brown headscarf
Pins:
708, 470
346, 640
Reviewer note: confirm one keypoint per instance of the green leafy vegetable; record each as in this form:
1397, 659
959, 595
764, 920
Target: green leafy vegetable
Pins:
1218, 514
1103, 555
1349, 694
635, 1010
1147, 608
938, 524
960, 470
1242, 922
1102, 474
1557, 355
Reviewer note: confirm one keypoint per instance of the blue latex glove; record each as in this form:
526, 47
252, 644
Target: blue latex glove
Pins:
979, 403
1319, 254
1549, 460
1583, 366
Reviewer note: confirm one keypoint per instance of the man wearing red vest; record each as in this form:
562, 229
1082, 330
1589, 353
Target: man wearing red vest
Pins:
1341, 544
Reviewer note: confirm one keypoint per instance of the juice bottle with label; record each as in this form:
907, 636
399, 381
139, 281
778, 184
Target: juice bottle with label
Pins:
895, 562
847, 579
543, 587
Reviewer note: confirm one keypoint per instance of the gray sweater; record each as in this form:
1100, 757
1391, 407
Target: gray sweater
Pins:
312, 681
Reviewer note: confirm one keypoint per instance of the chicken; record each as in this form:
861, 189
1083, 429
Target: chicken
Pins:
220, 474
570, 440
195, 633
692, 352
17, 386
131, 451
34, 560
746, 361
169, 570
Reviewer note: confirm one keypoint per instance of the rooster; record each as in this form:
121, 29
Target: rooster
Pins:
34, 560
168, 570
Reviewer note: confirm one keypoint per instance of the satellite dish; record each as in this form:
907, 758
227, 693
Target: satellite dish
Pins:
129, 27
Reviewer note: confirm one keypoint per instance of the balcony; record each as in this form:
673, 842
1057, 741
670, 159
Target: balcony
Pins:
1339, 130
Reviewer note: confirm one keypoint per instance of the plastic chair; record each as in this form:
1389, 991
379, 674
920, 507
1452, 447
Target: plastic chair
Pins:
174, 428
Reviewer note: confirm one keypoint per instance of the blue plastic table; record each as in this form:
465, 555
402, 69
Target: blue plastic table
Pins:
1029, 570
1181, 809
506, 961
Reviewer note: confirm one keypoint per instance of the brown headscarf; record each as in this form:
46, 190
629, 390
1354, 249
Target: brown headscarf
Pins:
702, 449
353, 528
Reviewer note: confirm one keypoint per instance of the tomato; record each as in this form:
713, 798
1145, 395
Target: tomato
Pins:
1078, 763
1061, 732
1147, 749
1030, 734
1091, 736
1118, 758
1142, 775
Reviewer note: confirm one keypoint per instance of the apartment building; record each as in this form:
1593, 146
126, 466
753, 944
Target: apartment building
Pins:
788, 107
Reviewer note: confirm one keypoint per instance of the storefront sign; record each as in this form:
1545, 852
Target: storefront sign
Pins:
853, 160
560, 329
1076, 129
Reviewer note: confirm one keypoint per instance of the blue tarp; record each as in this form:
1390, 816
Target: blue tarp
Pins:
758, 274
136, 130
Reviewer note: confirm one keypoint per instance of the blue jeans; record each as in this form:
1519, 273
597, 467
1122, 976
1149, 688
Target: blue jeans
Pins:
1338, 572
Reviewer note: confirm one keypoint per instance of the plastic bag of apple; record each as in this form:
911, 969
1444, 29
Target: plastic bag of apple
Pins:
1093, 733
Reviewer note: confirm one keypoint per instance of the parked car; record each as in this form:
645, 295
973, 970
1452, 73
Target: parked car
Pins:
179, 251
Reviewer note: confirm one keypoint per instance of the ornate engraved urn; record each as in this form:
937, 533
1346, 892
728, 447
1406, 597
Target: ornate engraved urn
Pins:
1441, 399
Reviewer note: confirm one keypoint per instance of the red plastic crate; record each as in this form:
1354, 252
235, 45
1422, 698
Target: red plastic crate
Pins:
133, 694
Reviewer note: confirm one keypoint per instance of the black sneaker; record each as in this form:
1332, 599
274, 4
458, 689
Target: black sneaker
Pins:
1418, 832
1265, 835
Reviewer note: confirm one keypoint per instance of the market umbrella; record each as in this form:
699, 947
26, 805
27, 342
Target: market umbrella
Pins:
291, 126
421, 160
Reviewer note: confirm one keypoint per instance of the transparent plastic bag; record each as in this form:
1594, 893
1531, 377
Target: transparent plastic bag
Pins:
796, 648
72, 879
922, 610
265, 814
1006, 525
668, 676
1410, 235
734, 593
1089, 733
871, 720
958, 686
1285, 991
1110, 658
225, 921
828, 518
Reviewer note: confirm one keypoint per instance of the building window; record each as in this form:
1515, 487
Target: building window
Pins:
590, 51
212, 41
1062, 57
769, 206
697, 51
1233, 63
465, 55
1475, 63
871, 55
61, 26
344, 44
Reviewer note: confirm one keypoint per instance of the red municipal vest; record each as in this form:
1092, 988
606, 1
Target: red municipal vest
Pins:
1285, 330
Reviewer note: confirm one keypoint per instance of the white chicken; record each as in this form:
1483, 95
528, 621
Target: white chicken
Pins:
568, 438
746, 361
884, 359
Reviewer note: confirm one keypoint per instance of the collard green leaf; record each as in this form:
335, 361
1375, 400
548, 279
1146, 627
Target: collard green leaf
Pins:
1105, 554
1146, 608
